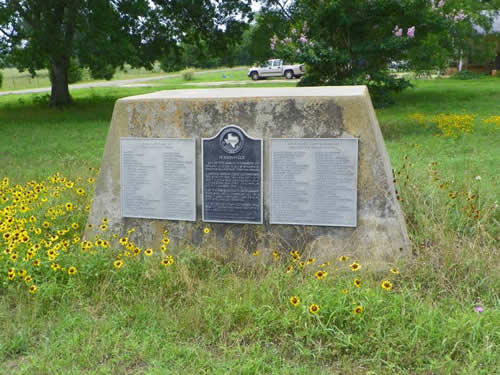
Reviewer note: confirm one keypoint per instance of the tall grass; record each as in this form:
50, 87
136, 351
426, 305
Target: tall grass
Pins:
204, 314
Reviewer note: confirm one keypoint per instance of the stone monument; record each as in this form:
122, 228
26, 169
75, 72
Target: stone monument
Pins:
264, 168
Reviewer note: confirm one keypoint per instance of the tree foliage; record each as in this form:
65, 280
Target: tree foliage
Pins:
75, 71
104, 34
267, 23
199, 54
356, 41
253, 46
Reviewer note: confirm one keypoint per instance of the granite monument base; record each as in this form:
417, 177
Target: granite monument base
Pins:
378, 233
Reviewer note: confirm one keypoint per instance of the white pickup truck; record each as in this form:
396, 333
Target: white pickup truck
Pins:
275, 68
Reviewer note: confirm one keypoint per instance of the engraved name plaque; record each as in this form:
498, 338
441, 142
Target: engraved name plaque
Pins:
158, 178
314, 181
232, 177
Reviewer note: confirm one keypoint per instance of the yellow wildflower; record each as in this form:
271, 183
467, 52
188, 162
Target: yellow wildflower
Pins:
386, 284
314, 309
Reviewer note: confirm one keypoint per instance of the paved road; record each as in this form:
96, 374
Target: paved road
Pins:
131, 82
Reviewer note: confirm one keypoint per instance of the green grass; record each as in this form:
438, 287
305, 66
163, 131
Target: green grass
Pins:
15, 80
37, 141
459, 161
208, 316
238, 74
201, 317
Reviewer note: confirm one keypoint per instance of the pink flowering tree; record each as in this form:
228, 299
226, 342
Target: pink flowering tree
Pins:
461, 20
357, 41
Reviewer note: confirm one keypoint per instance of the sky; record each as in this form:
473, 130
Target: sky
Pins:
256, 5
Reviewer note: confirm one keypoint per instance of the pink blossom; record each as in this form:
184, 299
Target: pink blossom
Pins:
302, 39
397, 31
311, 44
439, 5
411, 32
478, 309
273, 41
294, 31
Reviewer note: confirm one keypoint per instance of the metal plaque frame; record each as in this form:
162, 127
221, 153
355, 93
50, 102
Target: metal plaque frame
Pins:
261, 177
194, 175
318, 223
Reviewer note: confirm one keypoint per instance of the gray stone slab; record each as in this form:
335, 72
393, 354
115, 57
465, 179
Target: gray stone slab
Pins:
268, 92
380, 234
158, 178
314, 181
232, 177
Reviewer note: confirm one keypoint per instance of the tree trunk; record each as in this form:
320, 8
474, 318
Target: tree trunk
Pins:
59, 95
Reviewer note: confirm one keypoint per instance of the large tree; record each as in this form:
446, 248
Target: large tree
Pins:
356, 41
37, 34
268, 22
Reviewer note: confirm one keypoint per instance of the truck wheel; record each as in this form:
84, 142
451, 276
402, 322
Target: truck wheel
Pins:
289, 74
255, 76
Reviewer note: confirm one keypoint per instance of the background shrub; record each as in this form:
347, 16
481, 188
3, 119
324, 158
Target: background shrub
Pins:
105, 71
187, 74
75, 71
172, 62
466, 74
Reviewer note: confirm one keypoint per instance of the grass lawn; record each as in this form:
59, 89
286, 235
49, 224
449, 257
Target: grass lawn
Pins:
206, 316
459, 160
15, 80
236, 74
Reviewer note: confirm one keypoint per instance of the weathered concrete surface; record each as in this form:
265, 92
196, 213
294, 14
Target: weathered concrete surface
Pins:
315, 112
